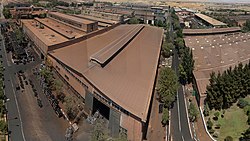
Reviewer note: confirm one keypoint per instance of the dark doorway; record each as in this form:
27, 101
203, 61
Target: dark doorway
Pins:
102, 108
42, 56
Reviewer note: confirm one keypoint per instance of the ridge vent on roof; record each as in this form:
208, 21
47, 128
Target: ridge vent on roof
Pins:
106, 54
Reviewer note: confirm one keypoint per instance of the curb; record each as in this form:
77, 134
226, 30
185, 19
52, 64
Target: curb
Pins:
183, 88
204, 123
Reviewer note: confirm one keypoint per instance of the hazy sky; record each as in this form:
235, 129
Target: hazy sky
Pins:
230, 1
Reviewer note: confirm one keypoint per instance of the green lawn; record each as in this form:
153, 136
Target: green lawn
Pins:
233, 124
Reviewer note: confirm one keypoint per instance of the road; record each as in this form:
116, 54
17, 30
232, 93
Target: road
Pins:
179, 126
26, 120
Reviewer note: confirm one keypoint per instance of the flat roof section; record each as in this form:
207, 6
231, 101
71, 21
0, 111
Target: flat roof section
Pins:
216, 53
100, 20
128, 80
210, 31
72, 18
106, 53
210, 20
45, 34
67, 31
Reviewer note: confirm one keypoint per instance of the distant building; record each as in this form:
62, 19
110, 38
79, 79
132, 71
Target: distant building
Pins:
20, 12
210, 21
83, 24
215, 50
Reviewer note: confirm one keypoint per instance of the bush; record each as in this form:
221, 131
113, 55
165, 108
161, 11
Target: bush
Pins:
228, 138
248, 120
211, 131
3, 126
215, 135
193, 112
209, 124
217, 126
165, 117
242, 103
216, 115
206, 110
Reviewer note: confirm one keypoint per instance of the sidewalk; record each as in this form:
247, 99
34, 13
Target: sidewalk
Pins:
200, 130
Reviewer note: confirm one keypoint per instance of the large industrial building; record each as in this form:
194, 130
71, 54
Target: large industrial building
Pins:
216, 53
112, 69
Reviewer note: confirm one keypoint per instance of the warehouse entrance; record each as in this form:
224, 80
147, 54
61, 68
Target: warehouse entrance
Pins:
102, 108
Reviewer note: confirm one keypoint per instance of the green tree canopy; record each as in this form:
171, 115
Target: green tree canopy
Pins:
167, 86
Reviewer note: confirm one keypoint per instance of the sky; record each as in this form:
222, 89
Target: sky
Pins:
230, 1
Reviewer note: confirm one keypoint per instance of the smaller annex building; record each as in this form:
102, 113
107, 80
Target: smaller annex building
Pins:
216, 53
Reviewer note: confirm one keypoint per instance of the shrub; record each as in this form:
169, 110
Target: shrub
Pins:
228, 138
206, 110
215, 135
211, 131
216, 115
242, 103
248, 120
209, 124
218, 126
165, 117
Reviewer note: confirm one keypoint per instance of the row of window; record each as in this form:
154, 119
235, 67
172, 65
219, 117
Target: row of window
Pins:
98, 96
85, 86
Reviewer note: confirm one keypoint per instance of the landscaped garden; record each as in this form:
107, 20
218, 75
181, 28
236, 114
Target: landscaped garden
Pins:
231, 122
227, 109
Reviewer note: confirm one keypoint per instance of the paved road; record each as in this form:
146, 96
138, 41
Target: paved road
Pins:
179, 121
13, 116
26, 121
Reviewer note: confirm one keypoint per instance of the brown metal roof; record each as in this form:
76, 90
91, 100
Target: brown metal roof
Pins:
100, 20
67, 31
45, 34
72, 18
128, 79
210, 20
210, 31
216, 53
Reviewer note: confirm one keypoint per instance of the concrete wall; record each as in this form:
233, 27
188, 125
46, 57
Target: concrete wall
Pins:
133, 127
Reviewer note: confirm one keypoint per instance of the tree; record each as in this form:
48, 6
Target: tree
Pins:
246, 135
57, 86
228, 138
187, 63
133, 21
179, 43
6, 13
100, 133
216, 115
193, 112
71, 107
226, 88
165, 117
19, 35
3, 126
122, 137
242, 103
167, 86
167, 49
206, 110
209, 124
246, 26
